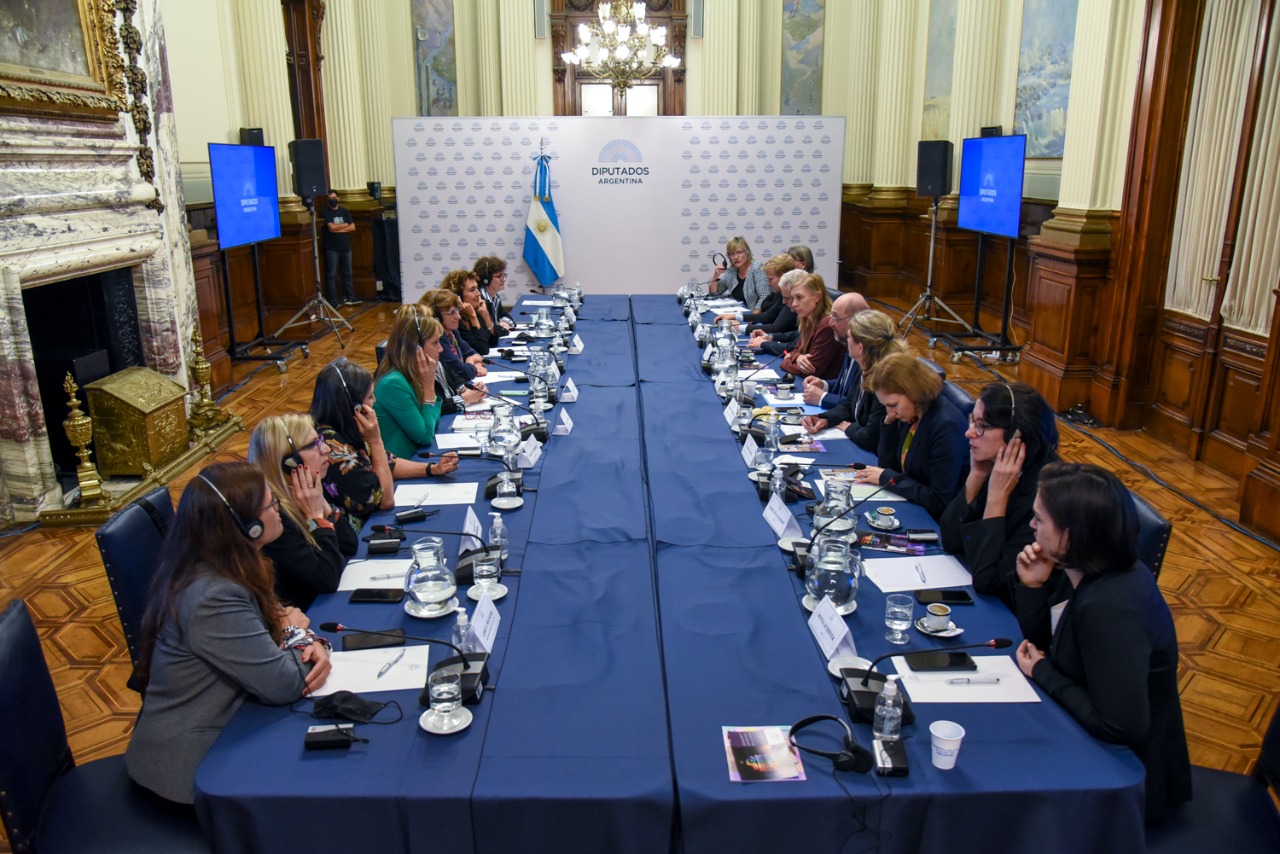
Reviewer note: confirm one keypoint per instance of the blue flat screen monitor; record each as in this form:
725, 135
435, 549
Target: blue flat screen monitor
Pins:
245, 198
991, 184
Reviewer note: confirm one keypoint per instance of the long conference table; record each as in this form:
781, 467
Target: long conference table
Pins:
653, 607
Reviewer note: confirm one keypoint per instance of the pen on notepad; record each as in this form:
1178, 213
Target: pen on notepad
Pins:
970, 680
386, 575
392, 663
920, 572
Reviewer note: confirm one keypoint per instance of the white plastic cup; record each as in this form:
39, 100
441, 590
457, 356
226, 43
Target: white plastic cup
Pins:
749, 388
946, 736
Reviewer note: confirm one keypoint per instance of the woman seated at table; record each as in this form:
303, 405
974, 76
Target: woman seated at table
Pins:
872, 336
803, 256
768, 312
462, 364
746, 281
477, 329
406, 400
318, 538
1113, 662
922, 446
1012, 435
361, 470
491, 274
214, 632
774, 338
817, 353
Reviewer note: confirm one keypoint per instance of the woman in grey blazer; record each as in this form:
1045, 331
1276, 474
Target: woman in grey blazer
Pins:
214, 632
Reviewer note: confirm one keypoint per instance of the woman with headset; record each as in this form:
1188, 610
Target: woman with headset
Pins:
462, 364
317, 538
478, 329
746, 281
361, 470
872, 336
1112, 662
407, 403
1012, 435
491, 274
214, 633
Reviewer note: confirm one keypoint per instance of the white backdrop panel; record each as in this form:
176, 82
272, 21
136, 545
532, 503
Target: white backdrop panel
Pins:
642, 202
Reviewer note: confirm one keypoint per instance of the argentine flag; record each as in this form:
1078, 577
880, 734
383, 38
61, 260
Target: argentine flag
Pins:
542, 249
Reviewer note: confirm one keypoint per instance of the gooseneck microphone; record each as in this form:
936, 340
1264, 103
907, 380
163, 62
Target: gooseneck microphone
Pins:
553, 392
539, 430
473, 665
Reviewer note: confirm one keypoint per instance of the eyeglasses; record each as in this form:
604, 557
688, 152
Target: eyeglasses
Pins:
317, 444
275, 504
453, 311
502, 275
978, 426
477, 416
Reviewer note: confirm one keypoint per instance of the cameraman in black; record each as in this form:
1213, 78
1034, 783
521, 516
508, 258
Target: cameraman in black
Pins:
337, 251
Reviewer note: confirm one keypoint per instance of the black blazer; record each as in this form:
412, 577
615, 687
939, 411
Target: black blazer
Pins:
1113, 665
785, 321
766, 313
497, 310
303, 571
480, 339
931, 475
862, 409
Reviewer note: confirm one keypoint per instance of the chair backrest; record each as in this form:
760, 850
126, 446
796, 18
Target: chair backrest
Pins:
1153, 534
960, 399
33, 739
1268, 768
130, 544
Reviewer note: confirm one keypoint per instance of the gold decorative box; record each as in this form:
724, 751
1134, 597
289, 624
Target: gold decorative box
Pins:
138, 417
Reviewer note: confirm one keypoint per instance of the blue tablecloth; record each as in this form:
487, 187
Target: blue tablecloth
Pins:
653, 608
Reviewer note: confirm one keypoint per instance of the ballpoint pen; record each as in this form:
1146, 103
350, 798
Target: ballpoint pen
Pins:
386, 576
390, 664
972, 680
920, 572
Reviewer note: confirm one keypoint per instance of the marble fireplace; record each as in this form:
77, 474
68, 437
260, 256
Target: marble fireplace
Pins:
73, 202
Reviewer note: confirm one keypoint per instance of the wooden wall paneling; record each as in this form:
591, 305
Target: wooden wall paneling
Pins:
206, 265
1128, 326
288, 275
1181, 367
303, 26
850, 250
1066, 286
1235, 398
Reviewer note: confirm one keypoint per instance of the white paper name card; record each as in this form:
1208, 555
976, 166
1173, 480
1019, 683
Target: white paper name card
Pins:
565, 427
831, 631
484, 624
780, 518
530, 453
575, 346
471, 533
731, 412
706, 354
569, 394
749, 451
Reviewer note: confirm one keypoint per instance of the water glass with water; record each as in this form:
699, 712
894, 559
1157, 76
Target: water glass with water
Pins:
444, 688
898, 608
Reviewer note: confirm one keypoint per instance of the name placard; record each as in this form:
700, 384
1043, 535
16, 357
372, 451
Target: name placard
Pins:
831, 631
530, 453
569, 394
780, 518
484, 624
731, 412
472, 533
749, 450
565, 427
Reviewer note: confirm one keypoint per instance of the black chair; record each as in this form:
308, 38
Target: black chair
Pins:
1228, 812
1153, 534
960, 399
47, 802
130, 546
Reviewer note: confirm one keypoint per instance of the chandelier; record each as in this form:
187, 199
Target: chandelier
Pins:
621, 48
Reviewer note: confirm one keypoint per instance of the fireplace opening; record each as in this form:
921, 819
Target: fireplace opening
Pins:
88, 327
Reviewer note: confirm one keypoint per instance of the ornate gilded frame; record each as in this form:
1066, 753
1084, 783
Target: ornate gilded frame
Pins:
100, 94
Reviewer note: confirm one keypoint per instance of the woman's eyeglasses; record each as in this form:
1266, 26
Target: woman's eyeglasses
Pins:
477, 416
978, 426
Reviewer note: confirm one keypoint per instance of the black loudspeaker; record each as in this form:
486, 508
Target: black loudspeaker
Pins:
933, 167
251, 136
308, 167
375, 189
993, 130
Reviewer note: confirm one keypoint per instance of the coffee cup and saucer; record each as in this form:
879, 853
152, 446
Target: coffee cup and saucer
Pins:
884, 518
937, 623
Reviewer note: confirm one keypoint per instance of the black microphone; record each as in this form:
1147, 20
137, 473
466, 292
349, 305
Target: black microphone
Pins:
762, 367
553, 392
539, 430
860, 693
854, 506
474, 666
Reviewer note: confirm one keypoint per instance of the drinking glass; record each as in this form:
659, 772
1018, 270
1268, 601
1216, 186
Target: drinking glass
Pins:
897, 616
444, 687
486, 570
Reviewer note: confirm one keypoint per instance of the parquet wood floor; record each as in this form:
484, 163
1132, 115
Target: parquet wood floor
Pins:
1222, 586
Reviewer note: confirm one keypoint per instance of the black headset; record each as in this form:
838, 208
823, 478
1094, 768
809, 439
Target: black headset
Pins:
351, 401
723, 262
418, 326
253, 530
292, 460
852, 756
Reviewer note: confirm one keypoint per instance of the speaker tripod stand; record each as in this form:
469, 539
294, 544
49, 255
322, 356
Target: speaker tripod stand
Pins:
926, 309
317, 308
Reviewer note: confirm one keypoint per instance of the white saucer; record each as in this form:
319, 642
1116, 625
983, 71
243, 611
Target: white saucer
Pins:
852, 662
413, 609
951, 631
508, 502
496, 592
788, 544
760, 477
809, 604
897, 523
464, 720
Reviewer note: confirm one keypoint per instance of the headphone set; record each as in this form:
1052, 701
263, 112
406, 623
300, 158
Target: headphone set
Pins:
351, 401
417, 324
253, 529
292, 460
723, 259
851, 756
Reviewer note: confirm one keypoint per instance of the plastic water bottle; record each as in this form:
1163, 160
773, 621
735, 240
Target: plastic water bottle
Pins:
498, 536
888, 719
778, 483
463, 640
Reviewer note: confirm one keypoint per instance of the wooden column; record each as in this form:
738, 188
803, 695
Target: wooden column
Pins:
303, 24
1260, 495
